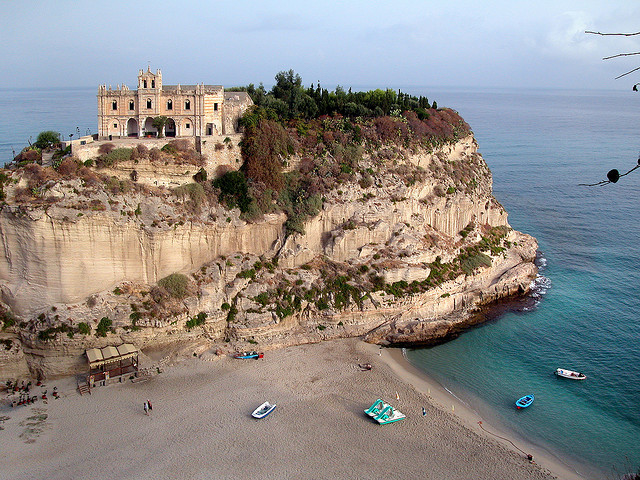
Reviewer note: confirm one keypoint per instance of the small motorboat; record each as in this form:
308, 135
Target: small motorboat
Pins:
245, 355
562, 372
263, 410
524, 402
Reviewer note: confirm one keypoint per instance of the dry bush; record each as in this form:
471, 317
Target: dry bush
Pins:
155, 154
106, 148
29, 156
69, 167
181, 145
39, 175
22, 195
142, 150
219, 146
89, 177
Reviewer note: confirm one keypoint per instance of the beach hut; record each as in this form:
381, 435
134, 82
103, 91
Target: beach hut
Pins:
111, 363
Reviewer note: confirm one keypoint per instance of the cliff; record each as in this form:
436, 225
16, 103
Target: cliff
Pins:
402, 252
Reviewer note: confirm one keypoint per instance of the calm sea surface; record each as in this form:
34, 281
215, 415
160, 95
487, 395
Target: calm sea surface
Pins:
585, 312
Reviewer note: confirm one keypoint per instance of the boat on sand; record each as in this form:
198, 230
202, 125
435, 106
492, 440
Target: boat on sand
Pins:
245, 355
384, 413
562, 372
263, 410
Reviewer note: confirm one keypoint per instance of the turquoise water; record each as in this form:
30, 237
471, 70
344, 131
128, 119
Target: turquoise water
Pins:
585, 311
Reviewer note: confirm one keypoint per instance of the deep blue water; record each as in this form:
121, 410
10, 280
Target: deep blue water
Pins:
539, 145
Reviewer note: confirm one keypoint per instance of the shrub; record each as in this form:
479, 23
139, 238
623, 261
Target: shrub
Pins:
194, 192
84, 328
175, 284
142, 150
105, 148
103, 327
196, 321
155, 154
114, 156
234, 191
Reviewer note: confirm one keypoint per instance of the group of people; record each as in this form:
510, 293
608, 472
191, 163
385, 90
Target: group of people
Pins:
147, 407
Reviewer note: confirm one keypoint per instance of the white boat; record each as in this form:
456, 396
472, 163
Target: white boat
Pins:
263, 410
562, 372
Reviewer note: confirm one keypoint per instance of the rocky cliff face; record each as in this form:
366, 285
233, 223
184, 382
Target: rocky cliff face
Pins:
405, 256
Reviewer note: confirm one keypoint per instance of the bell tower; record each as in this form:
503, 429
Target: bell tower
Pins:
150, 81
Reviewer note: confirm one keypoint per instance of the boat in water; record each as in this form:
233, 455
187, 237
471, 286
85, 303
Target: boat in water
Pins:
524, 402
263, 410
245, 355
562, 372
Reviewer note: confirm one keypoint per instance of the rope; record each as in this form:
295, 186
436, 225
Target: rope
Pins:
503, 438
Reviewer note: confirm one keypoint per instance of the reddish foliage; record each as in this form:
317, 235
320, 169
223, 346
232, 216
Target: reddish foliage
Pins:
264, 148
68, 167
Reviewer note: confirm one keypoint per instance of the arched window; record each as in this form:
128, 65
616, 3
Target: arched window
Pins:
131, 105
114, 105
148, 103
145, 84
153, 84
187, 104
169, 104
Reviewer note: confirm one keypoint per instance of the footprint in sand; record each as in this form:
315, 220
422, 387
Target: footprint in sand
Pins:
34, 425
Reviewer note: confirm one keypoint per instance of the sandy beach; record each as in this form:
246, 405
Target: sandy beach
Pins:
200, 426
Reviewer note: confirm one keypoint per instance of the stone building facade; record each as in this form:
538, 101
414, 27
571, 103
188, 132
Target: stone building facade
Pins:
191, 110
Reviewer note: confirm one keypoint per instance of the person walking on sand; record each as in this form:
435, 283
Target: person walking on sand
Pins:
146, 408
149, 404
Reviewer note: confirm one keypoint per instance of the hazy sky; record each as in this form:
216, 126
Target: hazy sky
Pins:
400, 43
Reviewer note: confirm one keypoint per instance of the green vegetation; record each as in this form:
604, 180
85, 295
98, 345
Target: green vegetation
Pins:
84, 328
196, 321
159, 123
175, 284
47, 139
104, 326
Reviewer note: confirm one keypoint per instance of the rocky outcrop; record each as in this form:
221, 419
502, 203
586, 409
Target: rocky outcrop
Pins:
404, 254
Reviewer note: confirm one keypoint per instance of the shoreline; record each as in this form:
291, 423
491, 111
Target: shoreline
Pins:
446, 400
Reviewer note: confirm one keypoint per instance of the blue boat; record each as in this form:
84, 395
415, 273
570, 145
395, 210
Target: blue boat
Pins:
524, 402
245, 355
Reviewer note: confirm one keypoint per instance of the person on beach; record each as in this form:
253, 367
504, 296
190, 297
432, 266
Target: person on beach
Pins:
146, 408
424, 412
149, 404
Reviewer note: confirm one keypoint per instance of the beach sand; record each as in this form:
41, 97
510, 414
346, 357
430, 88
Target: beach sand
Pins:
201, 428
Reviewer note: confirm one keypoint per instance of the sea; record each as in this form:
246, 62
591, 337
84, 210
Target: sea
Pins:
584, 310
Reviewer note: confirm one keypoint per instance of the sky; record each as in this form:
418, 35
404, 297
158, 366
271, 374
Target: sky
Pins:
394, 44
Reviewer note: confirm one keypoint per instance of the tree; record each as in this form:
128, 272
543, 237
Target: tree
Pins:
47, 139
159, 123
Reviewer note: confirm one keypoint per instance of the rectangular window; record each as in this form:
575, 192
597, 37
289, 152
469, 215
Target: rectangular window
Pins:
131, 105
114, 105
153, 84
187, 105
148, 103
215, 106
115, 125
145, 84
188, 126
